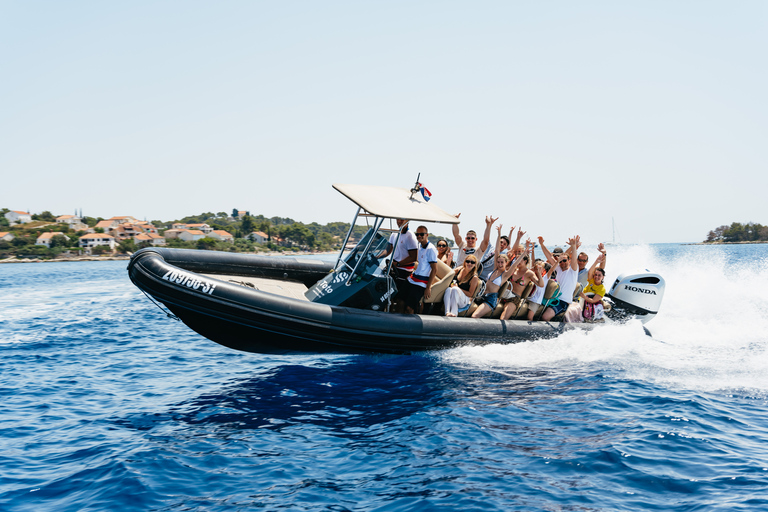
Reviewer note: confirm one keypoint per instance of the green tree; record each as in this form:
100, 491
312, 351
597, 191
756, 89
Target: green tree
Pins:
127, 246
46, 216
246, 226
60, 241
208, 244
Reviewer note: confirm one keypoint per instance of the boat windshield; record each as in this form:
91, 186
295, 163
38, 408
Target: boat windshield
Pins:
371, 263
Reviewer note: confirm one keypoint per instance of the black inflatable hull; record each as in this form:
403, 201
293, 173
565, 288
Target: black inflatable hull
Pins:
247, 319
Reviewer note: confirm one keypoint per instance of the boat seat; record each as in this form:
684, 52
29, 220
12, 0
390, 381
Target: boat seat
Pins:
522, 309
549, 292
444, 277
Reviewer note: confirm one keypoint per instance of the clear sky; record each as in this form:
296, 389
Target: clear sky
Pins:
556, 116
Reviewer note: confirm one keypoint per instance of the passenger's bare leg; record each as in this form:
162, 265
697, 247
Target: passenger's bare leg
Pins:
481, 311
548, 315
509, 310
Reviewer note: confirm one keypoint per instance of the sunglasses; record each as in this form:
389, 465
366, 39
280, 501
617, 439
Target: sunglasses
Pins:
421, 234
582, 261
469, 262
471, 238
442, 245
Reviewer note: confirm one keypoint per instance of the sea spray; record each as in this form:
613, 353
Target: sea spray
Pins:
711, 333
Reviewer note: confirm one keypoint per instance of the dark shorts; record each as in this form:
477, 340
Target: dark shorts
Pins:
401, 282
559, 307
414, 295
491, 299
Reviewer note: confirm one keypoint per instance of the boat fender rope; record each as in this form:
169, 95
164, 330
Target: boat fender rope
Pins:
167, 313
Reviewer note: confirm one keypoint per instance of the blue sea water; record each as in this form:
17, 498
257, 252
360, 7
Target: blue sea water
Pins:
107, 404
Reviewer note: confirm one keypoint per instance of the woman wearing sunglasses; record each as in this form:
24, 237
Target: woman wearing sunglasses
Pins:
491, 296
459, 295
444, 254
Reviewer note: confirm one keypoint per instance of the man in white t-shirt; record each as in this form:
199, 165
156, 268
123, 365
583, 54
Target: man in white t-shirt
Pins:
421, 280
404, 259
568, 279
405, 252
468, 245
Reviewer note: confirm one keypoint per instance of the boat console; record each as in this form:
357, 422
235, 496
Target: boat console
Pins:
360, 280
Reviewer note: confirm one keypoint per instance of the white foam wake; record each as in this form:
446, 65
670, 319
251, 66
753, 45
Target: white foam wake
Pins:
711, 333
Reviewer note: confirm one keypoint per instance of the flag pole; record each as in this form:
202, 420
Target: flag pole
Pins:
416, 186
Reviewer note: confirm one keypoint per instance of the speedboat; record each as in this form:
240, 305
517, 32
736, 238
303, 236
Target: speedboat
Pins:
278, 304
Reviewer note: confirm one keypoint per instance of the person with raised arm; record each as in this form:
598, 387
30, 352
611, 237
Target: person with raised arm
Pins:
491, 296
468, 246
459, 295
593, 293
567, 279
582, 261
521, 276
542, 275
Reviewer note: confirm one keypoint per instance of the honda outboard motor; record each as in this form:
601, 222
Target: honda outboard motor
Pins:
636, 296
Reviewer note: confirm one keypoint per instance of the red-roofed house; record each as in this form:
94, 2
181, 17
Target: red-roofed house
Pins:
220, 234
205, 228
74, 222
6, 236
172, 233
189, 235
146, 227
17, 217
95, 239
45, 238
259, 237
122, 220
151, 238
107, 225
125, 231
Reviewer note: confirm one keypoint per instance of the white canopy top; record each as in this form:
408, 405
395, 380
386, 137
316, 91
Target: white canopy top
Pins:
394, 203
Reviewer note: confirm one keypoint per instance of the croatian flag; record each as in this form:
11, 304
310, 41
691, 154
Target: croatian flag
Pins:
426, 194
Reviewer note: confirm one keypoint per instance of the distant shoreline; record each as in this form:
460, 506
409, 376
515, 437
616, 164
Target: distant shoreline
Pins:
728, 243
126, 258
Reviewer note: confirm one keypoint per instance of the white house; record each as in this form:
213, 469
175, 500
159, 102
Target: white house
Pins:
152, 238
95, 239
205, 228
6, 236
45, 238
220, 234
74, 222
126, 230
107, 225
189, 235
172, 233
259, 237
17, 217
123, 219
146, 227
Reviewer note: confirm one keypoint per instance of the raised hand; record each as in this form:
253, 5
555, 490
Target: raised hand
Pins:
601, 247
490, 220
